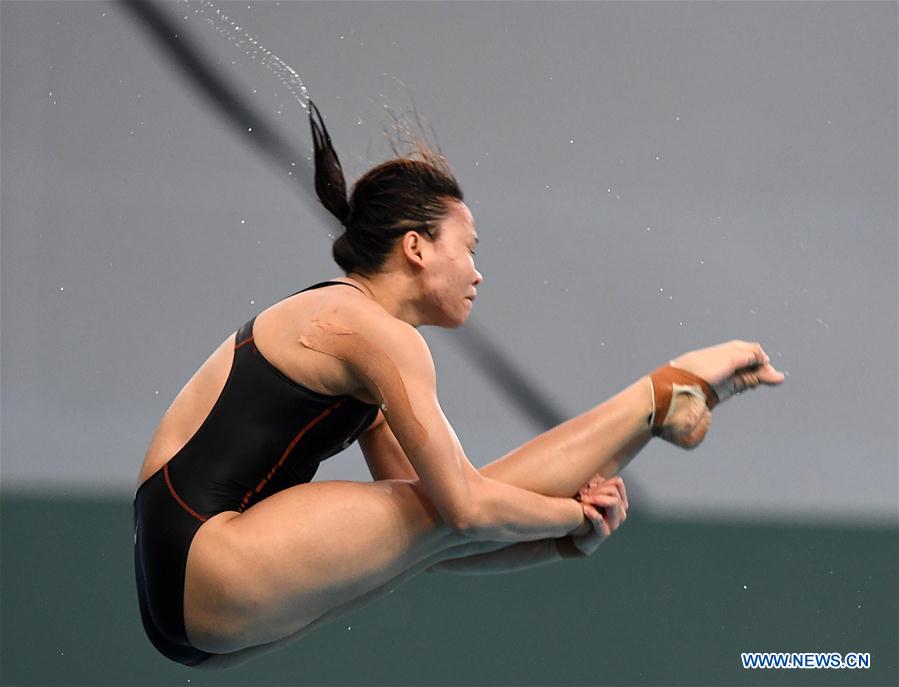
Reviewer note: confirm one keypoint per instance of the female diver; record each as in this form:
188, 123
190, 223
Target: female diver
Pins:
237, 552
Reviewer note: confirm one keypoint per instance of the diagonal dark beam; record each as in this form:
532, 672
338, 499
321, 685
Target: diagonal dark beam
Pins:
199, 71
495, 365
278, 150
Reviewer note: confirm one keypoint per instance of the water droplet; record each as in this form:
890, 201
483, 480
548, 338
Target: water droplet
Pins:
657, 157
236, 35
547, 186
571, 140
681, 324
745, 587
252, 302
62, 288
249, 128
661, 289
243, 221
648, 228
156, 391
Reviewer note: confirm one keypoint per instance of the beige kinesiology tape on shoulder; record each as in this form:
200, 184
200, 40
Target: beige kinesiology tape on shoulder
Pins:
669, 381
374, 364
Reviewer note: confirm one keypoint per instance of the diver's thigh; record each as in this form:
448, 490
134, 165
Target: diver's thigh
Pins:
266, 573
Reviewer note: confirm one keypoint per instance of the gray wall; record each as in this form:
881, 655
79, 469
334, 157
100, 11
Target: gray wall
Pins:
646, 178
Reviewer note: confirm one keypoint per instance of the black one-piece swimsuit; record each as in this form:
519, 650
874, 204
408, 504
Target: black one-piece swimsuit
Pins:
264, 434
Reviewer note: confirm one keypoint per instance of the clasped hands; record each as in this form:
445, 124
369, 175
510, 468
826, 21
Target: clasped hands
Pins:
604, 502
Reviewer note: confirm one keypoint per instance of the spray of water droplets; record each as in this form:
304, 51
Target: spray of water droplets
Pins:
231, 31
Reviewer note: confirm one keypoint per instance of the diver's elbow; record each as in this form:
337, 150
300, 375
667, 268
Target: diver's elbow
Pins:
463, 521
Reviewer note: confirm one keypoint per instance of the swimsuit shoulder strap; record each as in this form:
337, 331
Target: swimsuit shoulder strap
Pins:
245, 333
327, 283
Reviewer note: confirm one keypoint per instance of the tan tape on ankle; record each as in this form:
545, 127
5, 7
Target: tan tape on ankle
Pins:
667, 382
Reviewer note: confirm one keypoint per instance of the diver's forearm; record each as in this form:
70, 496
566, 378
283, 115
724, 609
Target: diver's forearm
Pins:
602, 440
500, 512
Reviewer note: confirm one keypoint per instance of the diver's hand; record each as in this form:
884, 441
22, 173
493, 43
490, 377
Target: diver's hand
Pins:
605, 504
731, 367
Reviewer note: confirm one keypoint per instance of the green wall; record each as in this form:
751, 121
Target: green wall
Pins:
662, 603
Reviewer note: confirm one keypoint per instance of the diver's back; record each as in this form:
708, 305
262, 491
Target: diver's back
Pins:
275, 339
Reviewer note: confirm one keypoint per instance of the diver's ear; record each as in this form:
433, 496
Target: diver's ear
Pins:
413, 248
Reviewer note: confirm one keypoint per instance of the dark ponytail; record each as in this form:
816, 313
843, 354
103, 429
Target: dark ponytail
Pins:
408, 193
329, 182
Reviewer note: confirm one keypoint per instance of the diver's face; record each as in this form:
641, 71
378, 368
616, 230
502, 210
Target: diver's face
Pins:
450, 277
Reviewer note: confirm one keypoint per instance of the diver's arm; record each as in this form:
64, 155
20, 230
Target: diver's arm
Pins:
606, 506
392, 361
383, 454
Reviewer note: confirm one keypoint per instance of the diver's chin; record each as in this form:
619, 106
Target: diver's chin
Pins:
462, 320
453, 320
